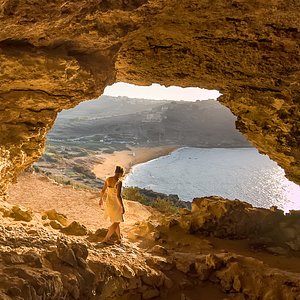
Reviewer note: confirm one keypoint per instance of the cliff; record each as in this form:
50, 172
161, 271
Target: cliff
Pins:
55, 54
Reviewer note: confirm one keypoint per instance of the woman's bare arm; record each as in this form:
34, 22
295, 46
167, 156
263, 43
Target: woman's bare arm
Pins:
102, 192
119, 195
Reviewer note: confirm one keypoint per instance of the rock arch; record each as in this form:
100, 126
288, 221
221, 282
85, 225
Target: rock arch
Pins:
55, 54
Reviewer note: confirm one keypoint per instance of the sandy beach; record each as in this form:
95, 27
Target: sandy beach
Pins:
128, 158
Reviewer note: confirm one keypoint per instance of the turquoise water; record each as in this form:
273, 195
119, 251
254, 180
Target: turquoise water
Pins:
239, 173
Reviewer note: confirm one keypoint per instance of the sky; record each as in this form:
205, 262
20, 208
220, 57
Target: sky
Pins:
160, 92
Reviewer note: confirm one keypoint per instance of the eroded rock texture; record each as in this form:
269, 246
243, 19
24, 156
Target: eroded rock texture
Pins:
156, 260
54, 54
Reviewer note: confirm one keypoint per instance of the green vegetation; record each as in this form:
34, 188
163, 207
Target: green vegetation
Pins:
64, 180
133, 193
84, 171
164, 205
69, 182
162, 202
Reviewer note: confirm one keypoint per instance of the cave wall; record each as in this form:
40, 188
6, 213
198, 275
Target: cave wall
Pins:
55, 54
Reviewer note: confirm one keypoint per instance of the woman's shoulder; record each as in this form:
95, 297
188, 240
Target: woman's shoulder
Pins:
111, 181
108, 179
119, 182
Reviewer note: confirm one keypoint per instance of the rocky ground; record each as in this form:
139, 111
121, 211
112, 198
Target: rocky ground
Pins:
220, 249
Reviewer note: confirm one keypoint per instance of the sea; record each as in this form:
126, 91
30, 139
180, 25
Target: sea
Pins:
232, 173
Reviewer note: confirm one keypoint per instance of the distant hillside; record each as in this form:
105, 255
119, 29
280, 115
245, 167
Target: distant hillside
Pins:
106, 106
117, 122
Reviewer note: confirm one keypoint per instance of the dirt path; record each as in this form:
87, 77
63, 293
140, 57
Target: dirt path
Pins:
39, 193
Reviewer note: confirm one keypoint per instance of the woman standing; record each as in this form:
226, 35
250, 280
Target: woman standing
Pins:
113, 203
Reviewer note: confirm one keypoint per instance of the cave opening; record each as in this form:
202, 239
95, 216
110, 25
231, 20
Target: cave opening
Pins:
56, 54
179, 143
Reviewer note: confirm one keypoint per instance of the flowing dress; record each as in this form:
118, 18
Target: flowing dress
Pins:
111, 207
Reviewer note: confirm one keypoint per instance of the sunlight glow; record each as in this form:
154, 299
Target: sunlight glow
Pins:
160, 92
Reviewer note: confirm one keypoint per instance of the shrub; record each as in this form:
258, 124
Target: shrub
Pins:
147, 197
50, 158
163, 204
133, 193
85, 171
36, 169
68, 182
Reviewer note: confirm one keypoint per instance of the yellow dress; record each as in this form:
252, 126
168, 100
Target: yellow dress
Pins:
111, 207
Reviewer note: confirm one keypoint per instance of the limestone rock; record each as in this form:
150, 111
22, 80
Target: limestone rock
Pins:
184, 211
12, 258
149, 294
203, 271
168, 283
146, 229
153, 278
290, 232
75, 228
55, 224
101, 232
294, 244
231, 218
19, 214
70, 259
13, 291
159, 250
278, 250
183, 262
127, 272
33, 259
98, 235
55, 216
184, 297
80, 250
27, 279
213, 261
71, 268
66, 254
294, 213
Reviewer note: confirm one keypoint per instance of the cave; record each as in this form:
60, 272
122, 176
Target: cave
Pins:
53, 55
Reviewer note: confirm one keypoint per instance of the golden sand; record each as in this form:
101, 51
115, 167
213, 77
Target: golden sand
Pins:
128, 158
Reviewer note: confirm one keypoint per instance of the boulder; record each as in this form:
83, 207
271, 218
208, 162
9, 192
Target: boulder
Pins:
153, 278
55, 224
159, 250
75, 228
151, 293
294, 244
19, 214
80, 250
278, 250
55, 216
231, 218
33, 259
66, 254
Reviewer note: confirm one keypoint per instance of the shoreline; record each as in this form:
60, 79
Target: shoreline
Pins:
135, 156
128, 159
